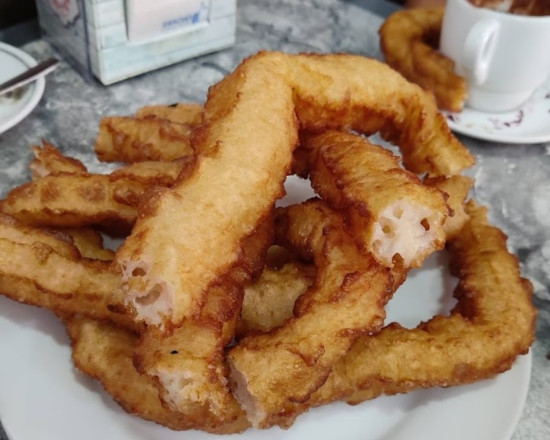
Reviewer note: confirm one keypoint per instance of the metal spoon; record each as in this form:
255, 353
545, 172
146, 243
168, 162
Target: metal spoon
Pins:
29, 75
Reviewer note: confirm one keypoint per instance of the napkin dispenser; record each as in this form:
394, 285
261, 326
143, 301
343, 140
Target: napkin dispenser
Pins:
117, 39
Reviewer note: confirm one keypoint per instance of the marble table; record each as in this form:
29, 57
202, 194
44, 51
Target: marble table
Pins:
514, 180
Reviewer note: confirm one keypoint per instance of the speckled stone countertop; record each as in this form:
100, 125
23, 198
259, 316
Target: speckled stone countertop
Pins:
514, 180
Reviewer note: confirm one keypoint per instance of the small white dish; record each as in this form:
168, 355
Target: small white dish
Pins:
529, 124
14, 61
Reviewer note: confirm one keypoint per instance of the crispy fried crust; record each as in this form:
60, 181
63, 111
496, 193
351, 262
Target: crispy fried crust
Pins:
269, 302
392, 214
48, 160
457, 188
343, 91
84, 199
74, 201
409, 39
275, 373
187, 362
181, 113
125, 139
154, 173
492, 323
16, 232
105, 353
46, 270
245, 155
187, 365
89, 243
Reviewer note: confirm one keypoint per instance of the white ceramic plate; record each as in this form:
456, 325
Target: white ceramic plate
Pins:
530, 124
14, 61
43, 397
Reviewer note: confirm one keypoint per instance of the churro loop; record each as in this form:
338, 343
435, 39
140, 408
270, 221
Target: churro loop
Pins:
491, 324
409, 39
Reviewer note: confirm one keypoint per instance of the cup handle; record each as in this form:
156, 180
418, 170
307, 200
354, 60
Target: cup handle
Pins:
479, 49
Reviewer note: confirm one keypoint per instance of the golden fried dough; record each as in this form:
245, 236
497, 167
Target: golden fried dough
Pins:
125, 139
49, 161
409, 39
457, 188
89, 243
105, 353
85, 199
492, 323
181, 113
392, 214
46, 270
167, 262
187, 362
274, 374
269, 301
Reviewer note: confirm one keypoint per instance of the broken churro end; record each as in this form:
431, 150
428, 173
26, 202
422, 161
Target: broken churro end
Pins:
174, 384
152, 300
248, 402
186, 389
408, 230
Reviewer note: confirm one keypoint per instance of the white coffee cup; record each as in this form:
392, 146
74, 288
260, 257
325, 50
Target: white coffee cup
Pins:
504, 57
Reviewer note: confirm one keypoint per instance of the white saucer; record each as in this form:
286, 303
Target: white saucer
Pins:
530, 124
12, 62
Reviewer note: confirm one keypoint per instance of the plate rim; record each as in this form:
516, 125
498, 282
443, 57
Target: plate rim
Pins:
505, 138
37, 92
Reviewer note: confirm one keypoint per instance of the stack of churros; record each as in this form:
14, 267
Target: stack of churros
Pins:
221, 311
